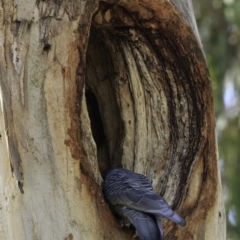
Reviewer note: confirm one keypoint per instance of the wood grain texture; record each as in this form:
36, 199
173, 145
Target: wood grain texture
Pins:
135, 71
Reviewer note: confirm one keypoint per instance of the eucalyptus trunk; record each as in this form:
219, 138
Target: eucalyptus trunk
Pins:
113, 83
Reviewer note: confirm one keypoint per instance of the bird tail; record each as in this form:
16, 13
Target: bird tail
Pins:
177, 219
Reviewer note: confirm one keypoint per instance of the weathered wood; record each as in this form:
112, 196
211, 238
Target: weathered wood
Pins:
134, 91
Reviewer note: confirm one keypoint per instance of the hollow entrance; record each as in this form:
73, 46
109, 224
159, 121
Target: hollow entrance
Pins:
143, 96
101, 99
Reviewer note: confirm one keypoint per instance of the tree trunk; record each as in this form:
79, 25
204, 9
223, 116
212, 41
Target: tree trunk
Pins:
119, 83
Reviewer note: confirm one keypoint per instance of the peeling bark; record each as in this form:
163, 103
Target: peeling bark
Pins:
120, 83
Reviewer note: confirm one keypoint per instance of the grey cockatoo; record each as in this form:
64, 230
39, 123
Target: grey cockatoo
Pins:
134, 199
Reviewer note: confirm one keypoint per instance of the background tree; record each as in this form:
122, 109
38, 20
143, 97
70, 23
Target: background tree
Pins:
219, 25
109, 83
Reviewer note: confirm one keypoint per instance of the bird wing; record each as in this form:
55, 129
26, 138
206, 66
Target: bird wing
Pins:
146, 226
134, 190
152, 203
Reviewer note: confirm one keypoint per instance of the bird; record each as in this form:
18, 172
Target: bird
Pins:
133, 198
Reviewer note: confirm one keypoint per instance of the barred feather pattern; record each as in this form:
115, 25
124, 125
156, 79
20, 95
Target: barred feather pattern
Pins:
136, 200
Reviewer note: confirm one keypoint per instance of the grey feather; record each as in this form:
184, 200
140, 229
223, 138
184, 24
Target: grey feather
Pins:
146, 225
138, 202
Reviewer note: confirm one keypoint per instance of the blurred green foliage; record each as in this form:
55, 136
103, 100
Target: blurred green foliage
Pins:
219, 27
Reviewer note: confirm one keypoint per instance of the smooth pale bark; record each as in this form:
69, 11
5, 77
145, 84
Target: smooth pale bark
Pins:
144, 66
